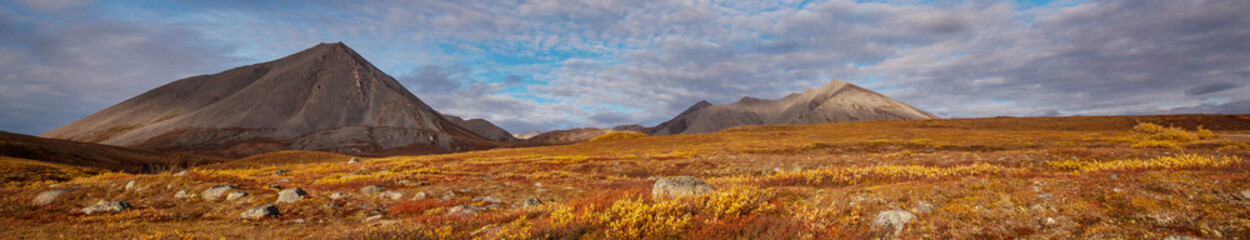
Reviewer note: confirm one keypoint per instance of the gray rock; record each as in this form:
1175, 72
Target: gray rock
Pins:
411, 183
235, 195
679, 186
893, 221
924, 207
449, 195
215, 192
131, 185
266, 211
181, 173
281, 172
420, 195
106, 206
183, 194
47, 197
338, 195
487, 199
291, 195
354, 160
331, 206
464, 210
371, 189
299, 220
371, 218
531, 201
392, 195
1245, 194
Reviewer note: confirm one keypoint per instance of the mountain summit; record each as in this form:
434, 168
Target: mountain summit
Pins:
838, 101
325, 98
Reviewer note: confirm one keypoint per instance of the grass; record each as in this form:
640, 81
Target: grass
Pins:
991, 178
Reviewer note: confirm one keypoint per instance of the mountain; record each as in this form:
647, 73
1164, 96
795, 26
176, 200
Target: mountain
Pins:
325, 98
483, 128
838, 101
562, 137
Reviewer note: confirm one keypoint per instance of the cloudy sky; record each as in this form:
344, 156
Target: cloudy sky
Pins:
543, 65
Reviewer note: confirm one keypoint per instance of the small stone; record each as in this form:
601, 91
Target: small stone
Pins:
266, 211
131, 185
215, 192
538, 184
393, 195
1245, 194
300, 220
531, 202
291, 195
330, 206
371, 218
235, 195
106, 206
281, 172
181, 173
284, 180
893, 221
924, 207
47, 197
338, 195
354, 160
679, 186
183, 194
411, 183
420, 195
464, 210
449, 195
371, 189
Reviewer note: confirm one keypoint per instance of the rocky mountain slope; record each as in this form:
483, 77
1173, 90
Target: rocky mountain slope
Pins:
838, 101
483, 128
325, 98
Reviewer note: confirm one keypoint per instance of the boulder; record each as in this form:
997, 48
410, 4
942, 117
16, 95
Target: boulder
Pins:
392, 195
464, 210
354, 160
531, 201
679, 186
235, 195
215, 192
47, 197
106, 206
338, 195
266, 211
291, 195
893, 221
371, 189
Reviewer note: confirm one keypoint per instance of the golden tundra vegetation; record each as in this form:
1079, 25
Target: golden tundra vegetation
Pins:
1130, 177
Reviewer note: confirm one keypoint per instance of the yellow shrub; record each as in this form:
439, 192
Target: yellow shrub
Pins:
1179, 161
618, 135
1155, 144
856, 175
1147, 128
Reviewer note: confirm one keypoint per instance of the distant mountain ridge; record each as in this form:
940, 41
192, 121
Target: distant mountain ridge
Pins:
325, 98
838, 101
483, 128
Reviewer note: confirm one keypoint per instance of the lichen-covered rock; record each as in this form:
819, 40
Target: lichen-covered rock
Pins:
235, 195
487, 199
266, 211
291, 195
392, 195
679, 186
464, 210
106, 206
183, 194
215, 192
338, 195
371, 189
47, 197
531, 201
893, 221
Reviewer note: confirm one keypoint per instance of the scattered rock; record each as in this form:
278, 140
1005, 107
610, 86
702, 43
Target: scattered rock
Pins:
47, 197
354, 160
235, 195
464, 210
393, 195
411, 183
531, 201
299, 220
893, 221
266, 211
215, 192
371, 189
338, 195
449, 195
291, 195
371, 218
924, 207
330, 206
487, 199
281, 172
1245, 194
181, 173
131, 185
420, 195
106, 206
679, 186
183, 194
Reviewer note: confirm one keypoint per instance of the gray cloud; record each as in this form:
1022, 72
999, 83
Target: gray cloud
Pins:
1210, 88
